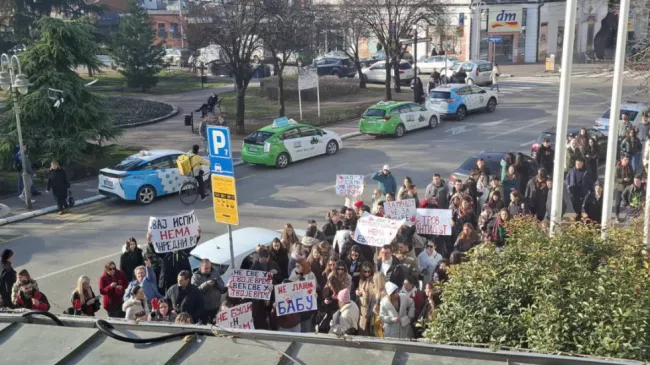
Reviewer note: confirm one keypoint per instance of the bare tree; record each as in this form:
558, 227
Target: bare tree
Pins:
284, 35
354, 29
235, 26
392, 20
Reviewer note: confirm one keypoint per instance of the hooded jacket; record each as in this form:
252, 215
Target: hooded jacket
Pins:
211, 286
58, 182
402, 327
24, 302
386, 183
134, 306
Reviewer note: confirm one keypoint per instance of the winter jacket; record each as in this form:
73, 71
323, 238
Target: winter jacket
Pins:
58, 182
329, 230
129, 261
579, 182
633, 196
270, 265
623, 172
642, 131
428, 264
211, 286
366, 302
16, 289
85, 308
571, 156
535, 196
438, 192
112, 298
464, 245
24, 302
281, 257
133, 307
188, 300
148, 285
504, 169
386, 183
345, 318
631, 146
7, 279
402, 327
395, 272
508, 185
544, 158
593, 207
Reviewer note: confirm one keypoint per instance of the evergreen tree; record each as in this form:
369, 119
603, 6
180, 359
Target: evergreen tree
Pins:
138, 58
62, 133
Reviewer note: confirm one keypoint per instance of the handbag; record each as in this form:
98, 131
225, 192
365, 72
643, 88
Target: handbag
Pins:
70, 199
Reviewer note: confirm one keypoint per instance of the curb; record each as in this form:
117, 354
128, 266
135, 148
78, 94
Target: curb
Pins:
53, 208
151, 121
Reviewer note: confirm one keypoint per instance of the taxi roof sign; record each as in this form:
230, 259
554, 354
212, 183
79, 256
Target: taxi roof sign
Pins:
283, 122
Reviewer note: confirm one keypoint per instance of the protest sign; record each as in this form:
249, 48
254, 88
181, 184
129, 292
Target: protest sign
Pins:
179, 232
434, 221
401, 209
240, 316
349, 185
376, 231
250, 284
296, 297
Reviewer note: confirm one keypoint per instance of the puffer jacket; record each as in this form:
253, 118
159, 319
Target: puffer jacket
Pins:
134, 306
211, 291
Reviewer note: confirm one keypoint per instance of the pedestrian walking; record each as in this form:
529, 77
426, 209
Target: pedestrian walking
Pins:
631, 146
7, 277
57, 181
112, 284
579, 183
536, 194
545, 155
496, 72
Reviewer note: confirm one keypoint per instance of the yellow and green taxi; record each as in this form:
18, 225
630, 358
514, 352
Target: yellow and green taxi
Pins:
287, 141
396, 117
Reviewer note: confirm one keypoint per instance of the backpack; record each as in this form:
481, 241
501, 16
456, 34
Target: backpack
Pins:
184, 165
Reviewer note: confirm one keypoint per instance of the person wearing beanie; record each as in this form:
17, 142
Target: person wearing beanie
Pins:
7, 277
396, 311
385, 181
346, 320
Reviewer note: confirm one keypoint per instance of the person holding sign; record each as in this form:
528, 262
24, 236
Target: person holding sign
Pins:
408, 190
262, 308
397, 311
211, 286
146, 279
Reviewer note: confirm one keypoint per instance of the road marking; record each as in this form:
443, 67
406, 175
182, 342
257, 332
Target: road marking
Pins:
245, 177
492, 124
391, 167
458, 130
77, 266
2, 240
83, 217
517, 129
528, 143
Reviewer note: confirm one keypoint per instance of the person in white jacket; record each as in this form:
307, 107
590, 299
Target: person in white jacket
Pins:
646, 154
496, 72
396, 311
136, 307
346, 319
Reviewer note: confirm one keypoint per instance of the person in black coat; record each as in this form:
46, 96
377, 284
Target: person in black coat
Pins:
545, 155
390, 267
171, 264
262, 308
186, 297
131, 258
579, 183
592, 208
7, 278
59, 184
537, 194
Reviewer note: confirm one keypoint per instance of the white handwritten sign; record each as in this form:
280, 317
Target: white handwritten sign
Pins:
250, 284
376, 231
179, 232
240, 316
349, 185
296, 297
434, 221
402, 209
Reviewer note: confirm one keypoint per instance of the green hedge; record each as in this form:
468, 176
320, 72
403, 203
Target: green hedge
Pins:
330, 87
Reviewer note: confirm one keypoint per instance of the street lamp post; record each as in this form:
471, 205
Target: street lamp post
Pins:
18, 83
477, 7
415, 63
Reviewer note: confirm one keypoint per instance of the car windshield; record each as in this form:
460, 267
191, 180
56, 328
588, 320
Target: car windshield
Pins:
439, 94
631, 114
258, 137
544, 135
375, 113
129, 164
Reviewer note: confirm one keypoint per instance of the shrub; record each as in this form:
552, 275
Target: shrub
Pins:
330, 87
572, 293
124, 111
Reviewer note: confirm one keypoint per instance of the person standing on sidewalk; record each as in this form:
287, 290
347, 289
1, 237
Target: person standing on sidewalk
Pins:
496, 72
18, 166
59, 184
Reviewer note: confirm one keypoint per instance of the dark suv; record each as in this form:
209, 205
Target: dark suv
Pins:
340, 67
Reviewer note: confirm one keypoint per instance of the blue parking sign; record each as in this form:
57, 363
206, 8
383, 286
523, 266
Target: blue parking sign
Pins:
220, 152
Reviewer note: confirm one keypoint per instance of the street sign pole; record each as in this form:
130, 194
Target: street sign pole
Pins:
224, 191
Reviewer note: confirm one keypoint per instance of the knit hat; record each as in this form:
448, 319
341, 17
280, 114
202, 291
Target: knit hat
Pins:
358, 204
386, 167
6, 255
344, 296
390, 288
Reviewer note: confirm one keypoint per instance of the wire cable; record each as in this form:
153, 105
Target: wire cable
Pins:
107, 329
44, 314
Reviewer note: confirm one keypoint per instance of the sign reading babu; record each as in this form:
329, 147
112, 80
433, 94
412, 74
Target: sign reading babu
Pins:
506, 20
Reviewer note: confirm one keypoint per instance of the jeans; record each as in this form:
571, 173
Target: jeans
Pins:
61, 202
635, 162
199, 180
618, 196
495, 84
21, 186
116, 314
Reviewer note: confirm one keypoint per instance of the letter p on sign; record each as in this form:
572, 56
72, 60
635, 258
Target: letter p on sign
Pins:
219, 141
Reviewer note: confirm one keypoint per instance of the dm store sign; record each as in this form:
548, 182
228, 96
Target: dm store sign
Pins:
504, 21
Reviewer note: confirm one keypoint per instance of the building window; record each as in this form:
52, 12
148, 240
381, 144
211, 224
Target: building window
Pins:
522, 38
162, 32
175, 31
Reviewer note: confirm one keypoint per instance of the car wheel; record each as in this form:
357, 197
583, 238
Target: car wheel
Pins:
433, 121
470, 82
337, 74
282, 161
399, 130
332, 147
146, 194
461, 113
491, 105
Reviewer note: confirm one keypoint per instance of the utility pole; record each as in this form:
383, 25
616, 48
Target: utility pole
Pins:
477, 7
614, 115
563, 115
180, 24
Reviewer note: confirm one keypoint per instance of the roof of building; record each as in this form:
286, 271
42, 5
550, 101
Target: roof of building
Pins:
81, 340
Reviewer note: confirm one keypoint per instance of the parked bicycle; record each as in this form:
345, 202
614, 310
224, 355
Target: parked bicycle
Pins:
189, 191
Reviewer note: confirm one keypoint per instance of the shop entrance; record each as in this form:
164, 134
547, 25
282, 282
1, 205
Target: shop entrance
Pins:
503, 50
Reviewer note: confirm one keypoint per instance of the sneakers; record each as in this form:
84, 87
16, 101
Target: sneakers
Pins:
203, 198
22, 197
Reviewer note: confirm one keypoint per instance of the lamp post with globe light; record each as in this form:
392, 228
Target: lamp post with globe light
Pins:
11, 77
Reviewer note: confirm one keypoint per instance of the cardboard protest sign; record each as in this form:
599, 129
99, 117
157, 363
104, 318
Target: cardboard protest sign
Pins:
376, 231
434, 221
251, 284
401, 209
240, 316
179, 232
349, 185
296, 297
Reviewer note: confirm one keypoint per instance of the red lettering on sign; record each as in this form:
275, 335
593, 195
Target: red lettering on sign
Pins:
173, 233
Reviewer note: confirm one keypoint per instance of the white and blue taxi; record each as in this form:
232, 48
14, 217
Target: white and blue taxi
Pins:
457, 100
144, 176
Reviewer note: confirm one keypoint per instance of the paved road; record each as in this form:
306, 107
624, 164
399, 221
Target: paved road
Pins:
57, 250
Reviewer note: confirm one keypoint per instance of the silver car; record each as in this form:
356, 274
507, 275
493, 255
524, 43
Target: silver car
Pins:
478, 72
429, 64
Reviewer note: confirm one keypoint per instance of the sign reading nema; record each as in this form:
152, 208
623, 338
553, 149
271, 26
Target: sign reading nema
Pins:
504, 21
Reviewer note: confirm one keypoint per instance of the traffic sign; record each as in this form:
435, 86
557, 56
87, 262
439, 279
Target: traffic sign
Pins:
224, 199
220, 152
495, 39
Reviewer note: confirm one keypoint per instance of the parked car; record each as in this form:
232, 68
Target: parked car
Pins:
478, 72
592, 132
377, 72
428, 64
633, 110
396, 117
340, 67
177, 56
145, 176
459, 99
